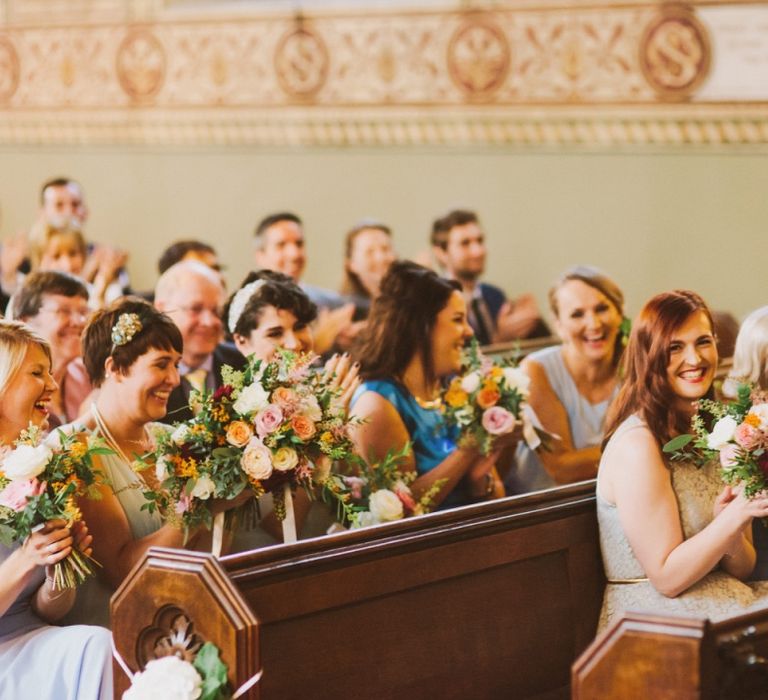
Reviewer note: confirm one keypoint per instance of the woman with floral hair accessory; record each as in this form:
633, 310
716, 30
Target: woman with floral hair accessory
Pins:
673, 539
36, 658
268, 313
572, 384
131, 351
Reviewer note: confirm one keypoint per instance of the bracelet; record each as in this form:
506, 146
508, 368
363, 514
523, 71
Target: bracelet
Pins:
490, 485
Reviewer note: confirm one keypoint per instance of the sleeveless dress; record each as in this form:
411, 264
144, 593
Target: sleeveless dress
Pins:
92, 604
585, 421
717, 595
40, 661
431, 439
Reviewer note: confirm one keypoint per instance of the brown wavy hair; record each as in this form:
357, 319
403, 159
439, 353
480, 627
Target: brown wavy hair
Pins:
645, 389
401, 321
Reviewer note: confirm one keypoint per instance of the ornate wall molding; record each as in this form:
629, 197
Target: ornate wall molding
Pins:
582, 75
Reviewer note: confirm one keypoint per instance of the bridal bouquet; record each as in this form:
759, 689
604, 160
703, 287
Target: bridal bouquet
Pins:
41, 480
271, 427
488, 400
738, 439
379, 492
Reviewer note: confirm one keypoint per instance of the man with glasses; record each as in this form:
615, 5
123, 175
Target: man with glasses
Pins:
192, 294
55, 304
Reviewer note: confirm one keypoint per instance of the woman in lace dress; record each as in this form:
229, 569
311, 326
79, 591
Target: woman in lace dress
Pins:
36, 659
673, 539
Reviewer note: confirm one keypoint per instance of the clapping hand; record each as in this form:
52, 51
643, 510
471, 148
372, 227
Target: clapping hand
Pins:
340, 373
517, 318
331, 322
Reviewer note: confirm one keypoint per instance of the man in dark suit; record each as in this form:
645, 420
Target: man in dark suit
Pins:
192, 294
459, 246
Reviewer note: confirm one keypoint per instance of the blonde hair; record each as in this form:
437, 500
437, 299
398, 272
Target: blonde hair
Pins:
41, 236
750, 356
15, 339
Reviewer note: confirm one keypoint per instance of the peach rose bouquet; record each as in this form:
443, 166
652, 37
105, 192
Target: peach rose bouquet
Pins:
487, 400
270, 428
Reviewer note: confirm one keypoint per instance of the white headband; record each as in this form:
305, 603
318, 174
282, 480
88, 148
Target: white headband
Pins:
240, 301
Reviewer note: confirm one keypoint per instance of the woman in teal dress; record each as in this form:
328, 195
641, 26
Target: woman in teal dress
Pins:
416, 332
36, 659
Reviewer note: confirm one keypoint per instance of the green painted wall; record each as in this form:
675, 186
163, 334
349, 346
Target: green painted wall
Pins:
653, 220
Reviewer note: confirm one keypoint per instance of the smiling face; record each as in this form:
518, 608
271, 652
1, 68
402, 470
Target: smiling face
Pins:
465, 252
587, 321
145, 386
278, 328
63, 254
370, 256
195, 304
61, 320
64, 204
283, 249
449, 335
27, 395
692, 360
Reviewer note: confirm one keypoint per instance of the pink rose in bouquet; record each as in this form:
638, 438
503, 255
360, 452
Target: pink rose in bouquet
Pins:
268, 420
16, 494
498, 421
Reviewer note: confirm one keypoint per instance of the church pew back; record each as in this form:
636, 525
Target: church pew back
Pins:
493, 600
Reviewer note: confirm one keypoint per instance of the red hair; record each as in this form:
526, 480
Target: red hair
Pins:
645, 388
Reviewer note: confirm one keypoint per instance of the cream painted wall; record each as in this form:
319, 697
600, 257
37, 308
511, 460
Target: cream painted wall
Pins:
652, 220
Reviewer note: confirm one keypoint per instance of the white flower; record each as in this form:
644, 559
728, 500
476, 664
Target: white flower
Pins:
364, 519
471, 382
163, 469
26, 461
385, 505
169, 678
252, 398
285, 459
309, 407
204, 488
761, 411
257, 460
516, 378
465, 415
722, 433
181, 434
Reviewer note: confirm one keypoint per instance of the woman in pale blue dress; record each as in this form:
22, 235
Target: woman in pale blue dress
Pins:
673, 538
573, 383
38, 660
416, 332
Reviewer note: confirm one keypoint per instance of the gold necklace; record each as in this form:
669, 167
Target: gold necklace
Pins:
430, 405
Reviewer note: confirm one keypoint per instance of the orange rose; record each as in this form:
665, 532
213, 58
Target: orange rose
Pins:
238, 433
303, 427
284, 397
489, 395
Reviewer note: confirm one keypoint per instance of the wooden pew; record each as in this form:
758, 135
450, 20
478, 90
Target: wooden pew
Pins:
494, 600
520, 348
654, 656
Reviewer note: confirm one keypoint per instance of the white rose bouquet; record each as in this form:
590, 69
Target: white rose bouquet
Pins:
378, 493
172, 678
264, 429
41, 480
738, 439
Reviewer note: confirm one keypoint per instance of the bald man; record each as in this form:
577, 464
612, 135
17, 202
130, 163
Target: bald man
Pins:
192, 294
